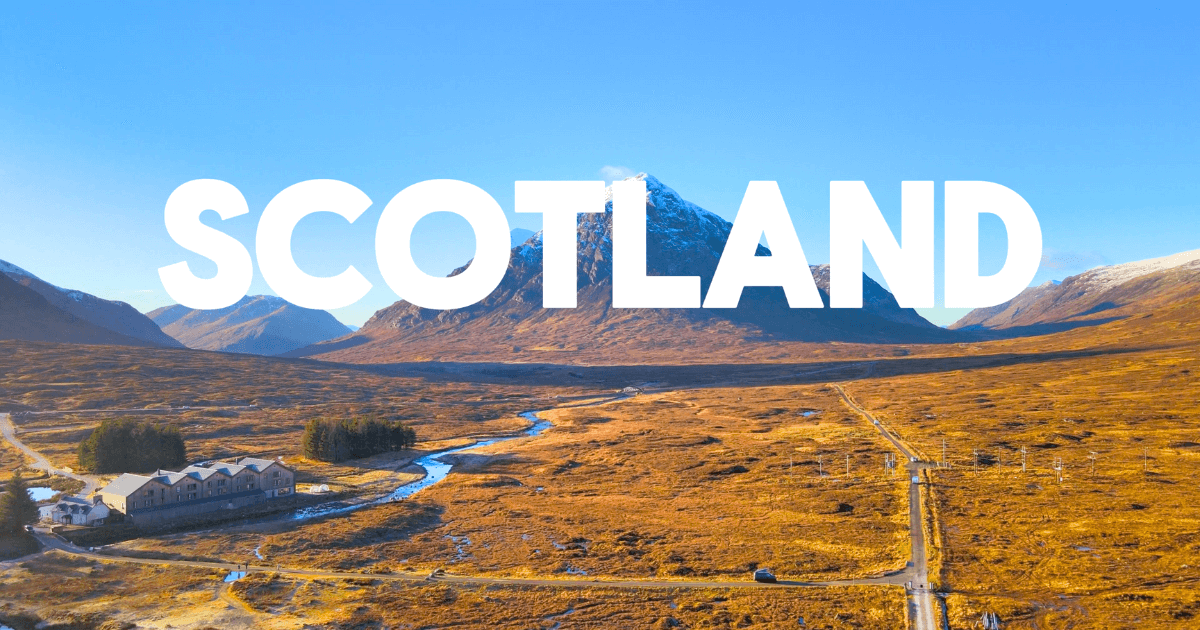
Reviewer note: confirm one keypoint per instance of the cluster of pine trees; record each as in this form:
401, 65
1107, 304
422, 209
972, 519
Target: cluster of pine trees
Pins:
126, 445
331, 440
17, 509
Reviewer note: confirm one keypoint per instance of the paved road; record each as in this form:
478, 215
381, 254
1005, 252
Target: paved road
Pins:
924, 609
90, 483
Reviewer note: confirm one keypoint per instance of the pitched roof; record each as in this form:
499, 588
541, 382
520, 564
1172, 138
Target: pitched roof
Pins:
259, 465
229, 469
200, 472
169, 478
125, 485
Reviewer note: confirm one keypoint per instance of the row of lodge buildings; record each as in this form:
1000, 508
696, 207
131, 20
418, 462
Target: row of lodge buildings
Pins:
166, 496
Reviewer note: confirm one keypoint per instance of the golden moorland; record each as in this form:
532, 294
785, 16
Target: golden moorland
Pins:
1067, 495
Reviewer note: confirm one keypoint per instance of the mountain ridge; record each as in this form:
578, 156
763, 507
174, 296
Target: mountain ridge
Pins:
1104, 292
116, 316
260, 324
682, 239
27, 316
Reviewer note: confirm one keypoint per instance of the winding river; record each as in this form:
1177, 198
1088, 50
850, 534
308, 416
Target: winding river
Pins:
435, 471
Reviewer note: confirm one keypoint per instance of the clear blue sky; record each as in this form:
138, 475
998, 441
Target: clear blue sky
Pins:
1089, 112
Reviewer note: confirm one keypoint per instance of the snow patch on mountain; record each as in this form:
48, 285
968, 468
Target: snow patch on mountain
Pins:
9, 268
1103, 278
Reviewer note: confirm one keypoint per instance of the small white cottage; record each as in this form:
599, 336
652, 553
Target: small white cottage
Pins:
76, 511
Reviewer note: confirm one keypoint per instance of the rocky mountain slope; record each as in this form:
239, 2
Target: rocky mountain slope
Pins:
682, 239
259, 324
1104, 293
118, 317
26, 315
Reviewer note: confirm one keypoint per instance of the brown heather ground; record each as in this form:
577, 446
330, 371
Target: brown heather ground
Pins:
682, 485
95, 593
1120, 548
635, 488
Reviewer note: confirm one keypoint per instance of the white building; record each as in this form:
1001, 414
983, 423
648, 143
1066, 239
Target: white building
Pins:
76, 511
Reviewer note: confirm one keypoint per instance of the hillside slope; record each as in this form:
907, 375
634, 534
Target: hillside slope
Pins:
1099, 294
259, 324
26, 315
682, 239
118, 317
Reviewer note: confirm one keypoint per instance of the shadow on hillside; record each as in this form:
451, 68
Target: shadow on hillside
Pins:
1038, 330
654, 377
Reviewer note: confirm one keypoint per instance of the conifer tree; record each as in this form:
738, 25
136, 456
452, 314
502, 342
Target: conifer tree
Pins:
17, 508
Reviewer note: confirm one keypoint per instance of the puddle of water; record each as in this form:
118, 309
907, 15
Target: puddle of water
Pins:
460, 544
575, 571
41, 494
1082, 548
235, 576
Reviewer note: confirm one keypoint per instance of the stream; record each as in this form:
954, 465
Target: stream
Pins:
435, 471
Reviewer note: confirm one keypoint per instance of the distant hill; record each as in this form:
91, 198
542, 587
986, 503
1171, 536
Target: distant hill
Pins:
519, 235
682, 239
27, 316
259, 324
112, 315
1100, 294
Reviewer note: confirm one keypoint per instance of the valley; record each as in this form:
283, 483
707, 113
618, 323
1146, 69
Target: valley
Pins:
674, 494
601, 467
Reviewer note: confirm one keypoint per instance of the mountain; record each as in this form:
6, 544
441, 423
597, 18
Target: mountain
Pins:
26, 315
259, 324
1101, 294
118, 317
682, 239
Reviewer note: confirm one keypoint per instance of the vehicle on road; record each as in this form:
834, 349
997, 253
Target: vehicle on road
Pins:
29, 528
765, 575
913, 458
916, 479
